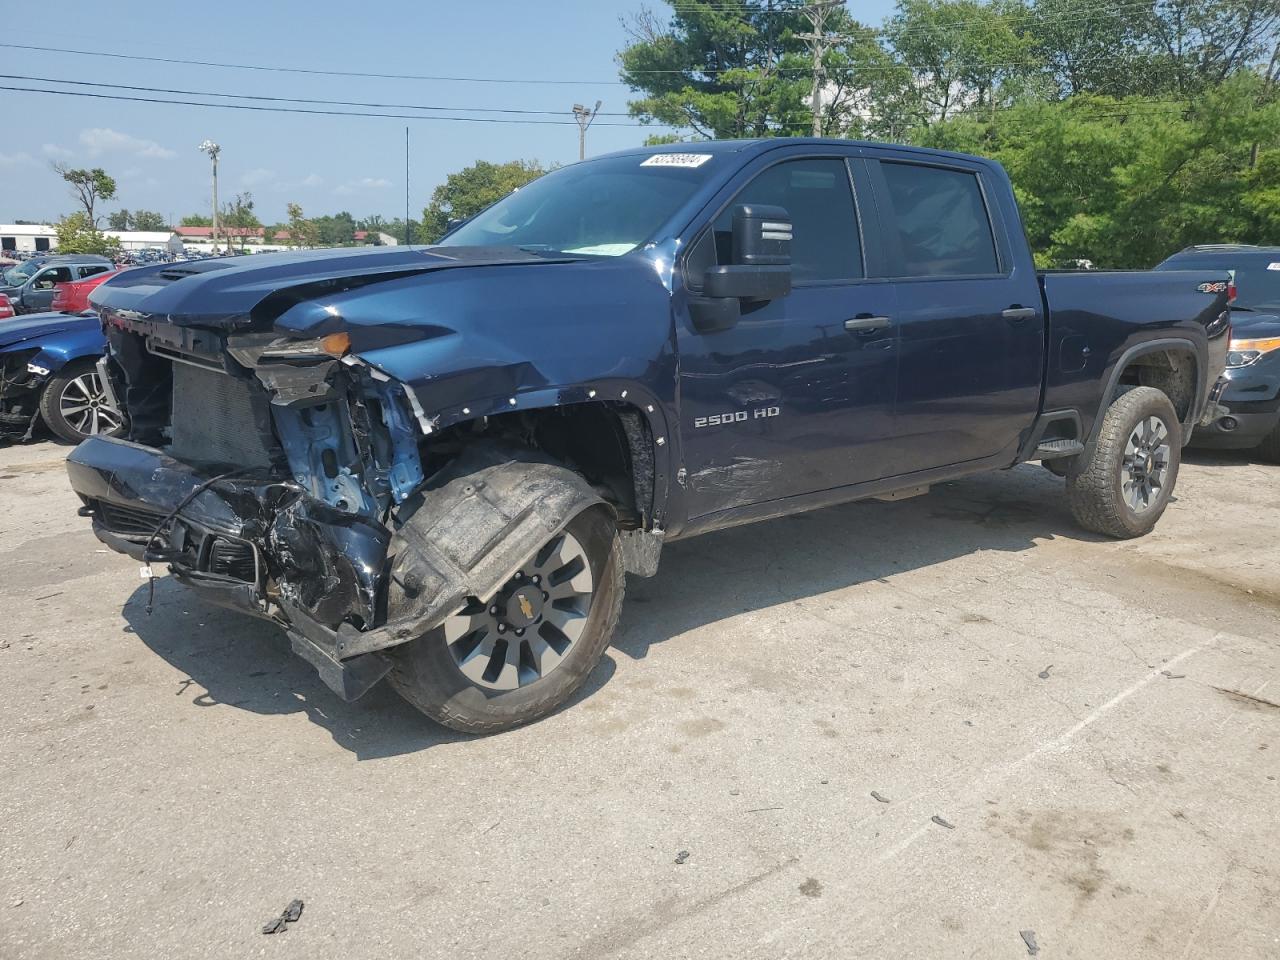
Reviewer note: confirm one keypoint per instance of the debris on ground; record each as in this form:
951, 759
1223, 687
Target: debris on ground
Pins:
682, 856
879, 796
1174, 676
942, 823
291, 914
1029, 938
1044, 674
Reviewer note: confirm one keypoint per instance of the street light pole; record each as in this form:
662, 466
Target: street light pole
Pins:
212, 149
584, 116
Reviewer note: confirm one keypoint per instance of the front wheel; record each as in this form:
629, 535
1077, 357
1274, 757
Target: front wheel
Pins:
75, 406
1129, 480
512, 658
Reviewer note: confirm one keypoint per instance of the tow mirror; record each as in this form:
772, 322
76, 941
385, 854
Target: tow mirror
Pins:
759, 271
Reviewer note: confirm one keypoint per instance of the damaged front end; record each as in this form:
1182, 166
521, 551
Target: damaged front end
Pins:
20, 384
265, 477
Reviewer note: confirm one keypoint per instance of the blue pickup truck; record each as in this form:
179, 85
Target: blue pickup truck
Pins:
436, 464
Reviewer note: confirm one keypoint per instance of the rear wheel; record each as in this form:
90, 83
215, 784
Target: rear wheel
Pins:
513, 657
1128, 482
75, 405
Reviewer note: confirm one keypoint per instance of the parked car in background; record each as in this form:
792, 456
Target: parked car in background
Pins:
1249, 414
49, 371
73, 297
6, 308
30, 286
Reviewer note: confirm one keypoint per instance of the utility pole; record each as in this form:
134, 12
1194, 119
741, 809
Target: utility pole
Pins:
408, 228
584, 118
819, 43
212, 149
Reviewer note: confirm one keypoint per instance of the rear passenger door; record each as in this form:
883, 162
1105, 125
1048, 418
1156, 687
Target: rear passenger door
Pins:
970, 319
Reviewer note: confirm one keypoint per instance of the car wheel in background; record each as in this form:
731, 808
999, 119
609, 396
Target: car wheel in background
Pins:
1269, 448
75, 406
1129, 481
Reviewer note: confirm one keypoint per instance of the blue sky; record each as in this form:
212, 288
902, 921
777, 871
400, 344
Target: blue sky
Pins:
324, 163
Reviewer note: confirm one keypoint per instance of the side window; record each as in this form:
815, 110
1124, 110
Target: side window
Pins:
46, 279
825, 225
941, 221
91, 270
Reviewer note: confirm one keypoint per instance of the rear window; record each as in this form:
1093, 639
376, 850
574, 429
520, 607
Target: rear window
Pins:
941, 222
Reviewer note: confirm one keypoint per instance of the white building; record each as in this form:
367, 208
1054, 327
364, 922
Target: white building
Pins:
145, 239
27, 237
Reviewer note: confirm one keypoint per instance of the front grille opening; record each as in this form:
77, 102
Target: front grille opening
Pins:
233, 558
127, 521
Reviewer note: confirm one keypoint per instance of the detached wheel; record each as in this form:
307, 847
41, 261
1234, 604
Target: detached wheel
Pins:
514, 657
1128, 483
75, 406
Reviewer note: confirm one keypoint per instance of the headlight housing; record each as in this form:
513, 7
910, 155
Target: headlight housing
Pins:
1243, 352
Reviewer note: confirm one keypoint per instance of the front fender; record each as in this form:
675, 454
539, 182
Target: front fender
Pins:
63, 348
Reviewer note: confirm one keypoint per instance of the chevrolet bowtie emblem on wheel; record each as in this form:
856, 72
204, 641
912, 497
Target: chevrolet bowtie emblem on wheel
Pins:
525, 606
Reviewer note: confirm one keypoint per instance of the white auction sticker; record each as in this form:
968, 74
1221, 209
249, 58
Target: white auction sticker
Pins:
1273, 266
677, 160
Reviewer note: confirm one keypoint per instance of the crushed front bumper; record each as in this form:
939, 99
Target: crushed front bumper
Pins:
256, 544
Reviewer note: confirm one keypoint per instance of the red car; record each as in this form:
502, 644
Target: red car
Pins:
74, 297
6, 308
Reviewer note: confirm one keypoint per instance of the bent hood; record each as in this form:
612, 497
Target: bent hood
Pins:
239, 293
40, 326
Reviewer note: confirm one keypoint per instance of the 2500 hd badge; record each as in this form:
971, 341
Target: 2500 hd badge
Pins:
736, 416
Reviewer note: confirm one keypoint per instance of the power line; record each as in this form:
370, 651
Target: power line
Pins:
255, 96
329, 113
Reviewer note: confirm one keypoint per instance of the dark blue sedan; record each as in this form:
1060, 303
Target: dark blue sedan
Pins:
49, 372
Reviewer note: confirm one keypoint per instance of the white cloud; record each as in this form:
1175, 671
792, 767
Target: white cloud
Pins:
56, 152
312, 180
363, 183
257, 176
15, 159
105, 140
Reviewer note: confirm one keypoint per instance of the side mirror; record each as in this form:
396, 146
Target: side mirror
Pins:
760, 270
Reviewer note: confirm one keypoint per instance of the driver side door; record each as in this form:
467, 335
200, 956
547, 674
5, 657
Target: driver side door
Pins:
797, 396
39, 292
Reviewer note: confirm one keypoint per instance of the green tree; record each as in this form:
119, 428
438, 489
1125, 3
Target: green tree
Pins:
88, 187
722, 68
238, 218
149, 220
118, 220
302, 232
336, 229
196, 220
77, 234
467, 192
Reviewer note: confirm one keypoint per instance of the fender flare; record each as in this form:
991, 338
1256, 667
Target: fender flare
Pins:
1132, 353
465, 533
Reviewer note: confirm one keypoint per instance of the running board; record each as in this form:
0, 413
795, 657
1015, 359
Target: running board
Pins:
1052, 449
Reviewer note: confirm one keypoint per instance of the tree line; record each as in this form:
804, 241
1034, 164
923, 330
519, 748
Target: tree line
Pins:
1130, 129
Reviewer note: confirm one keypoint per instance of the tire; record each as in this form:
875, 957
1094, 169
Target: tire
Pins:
75, 407
1269, 448
427, 673
1103, 495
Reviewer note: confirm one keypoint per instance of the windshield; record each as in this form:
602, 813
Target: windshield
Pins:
599, 207
17, 276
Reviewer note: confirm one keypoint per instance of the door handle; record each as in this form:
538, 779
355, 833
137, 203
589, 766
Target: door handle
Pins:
1018, 314
866, 324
